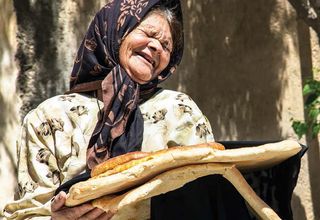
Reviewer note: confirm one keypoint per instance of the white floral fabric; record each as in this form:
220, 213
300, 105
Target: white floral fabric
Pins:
54, 136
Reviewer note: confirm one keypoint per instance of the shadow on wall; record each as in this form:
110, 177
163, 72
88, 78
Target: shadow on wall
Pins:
87, 10
40, 33
38, 76
234, 66
297, 208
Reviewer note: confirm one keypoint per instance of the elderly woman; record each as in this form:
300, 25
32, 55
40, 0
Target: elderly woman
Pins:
114, 106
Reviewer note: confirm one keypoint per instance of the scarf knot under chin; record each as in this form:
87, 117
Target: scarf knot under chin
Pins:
121, 96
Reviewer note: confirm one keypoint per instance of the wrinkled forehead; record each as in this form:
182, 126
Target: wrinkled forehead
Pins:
157, 24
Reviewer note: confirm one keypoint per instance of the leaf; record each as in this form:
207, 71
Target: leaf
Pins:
307, 89
299, 128
311, 87
313, 113
315, 129
311, 90
311, 99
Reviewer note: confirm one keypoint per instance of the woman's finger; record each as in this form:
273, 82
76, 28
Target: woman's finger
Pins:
105, 216
58, 201
73, 213
92, 214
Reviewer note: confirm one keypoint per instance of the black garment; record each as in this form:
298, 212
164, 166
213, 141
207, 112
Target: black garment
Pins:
215, 198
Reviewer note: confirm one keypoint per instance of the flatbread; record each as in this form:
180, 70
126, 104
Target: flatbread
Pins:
243, 158
126, 161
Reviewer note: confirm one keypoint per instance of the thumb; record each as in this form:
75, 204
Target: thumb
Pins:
58, 201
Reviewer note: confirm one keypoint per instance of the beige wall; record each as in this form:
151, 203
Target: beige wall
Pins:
241, 65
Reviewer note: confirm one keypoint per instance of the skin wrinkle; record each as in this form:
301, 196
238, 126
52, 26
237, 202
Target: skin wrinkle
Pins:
166, 42
142, 53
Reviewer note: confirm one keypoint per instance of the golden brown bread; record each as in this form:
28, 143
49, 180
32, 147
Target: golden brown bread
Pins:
126, 161
116, 161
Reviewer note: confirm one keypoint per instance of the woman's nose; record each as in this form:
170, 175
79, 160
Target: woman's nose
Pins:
155, 45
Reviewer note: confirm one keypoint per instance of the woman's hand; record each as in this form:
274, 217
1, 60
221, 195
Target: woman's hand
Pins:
81, 212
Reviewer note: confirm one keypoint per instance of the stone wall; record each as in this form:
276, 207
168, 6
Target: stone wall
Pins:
242, 65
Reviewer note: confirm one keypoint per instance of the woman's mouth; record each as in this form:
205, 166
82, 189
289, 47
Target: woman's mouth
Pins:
147, 58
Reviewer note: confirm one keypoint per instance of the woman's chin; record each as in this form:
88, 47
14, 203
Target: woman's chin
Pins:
142, 79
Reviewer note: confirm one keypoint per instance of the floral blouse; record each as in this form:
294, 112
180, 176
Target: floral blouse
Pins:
54, 136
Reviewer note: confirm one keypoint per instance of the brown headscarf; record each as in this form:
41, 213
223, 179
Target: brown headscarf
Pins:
120, 127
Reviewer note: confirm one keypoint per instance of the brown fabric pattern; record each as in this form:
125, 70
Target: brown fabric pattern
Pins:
132, 7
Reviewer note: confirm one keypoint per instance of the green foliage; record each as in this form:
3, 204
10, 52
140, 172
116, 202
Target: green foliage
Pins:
312, 108
299, 128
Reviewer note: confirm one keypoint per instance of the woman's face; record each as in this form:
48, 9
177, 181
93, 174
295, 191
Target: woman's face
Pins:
145, 52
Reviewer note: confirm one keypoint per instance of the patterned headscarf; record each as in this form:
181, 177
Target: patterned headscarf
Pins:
97, 66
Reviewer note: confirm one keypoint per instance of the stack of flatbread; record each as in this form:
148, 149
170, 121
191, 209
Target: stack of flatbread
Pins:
125, 184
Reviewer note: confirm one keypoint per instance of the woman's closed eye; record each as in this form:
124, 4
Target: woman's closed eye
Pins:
151, 33
166, 46
164, 43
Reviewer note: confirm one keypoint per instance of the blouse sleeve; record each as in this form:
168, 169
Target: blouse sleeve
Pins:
51, 150
173, 119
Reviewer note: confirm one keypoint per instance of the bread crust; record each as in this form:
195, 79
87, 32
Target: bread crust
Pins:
126, 161
116, 161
